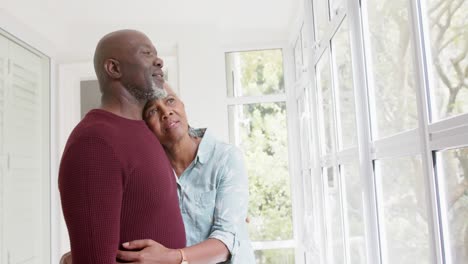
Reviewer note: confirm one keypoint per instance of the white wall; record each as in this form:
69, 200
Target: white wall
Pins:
202, 82
23, 32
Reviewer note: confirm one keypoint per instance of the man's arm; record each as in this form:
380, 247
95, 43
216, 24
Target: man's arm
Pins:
66, 258
90, 183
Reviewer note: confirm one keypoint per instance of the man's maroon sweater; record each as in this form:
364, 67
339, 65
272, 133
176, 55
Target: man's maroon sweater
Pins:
116, 185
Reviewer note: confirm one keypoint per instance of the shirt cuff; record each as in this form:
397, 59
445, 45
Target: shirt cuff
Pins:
228, 239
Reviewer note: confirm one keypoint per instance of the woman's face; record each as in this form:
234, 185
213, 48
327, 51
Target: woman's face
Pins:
167, 118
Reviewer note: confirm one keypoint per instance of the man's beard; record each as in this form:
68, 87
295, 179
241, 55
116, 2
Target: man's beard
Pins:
148, 94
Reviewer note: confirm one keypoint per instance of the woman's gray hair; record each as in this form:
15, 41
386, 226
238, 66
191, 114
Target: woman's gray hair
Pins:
192, 132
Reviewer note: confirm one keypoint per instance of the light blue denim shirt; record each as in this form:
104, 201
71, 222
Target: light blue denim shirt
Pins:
213, 197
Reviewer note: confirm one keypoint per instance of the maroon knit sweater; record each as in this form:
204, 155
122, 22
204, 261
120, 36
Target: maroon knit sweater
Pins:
116, 185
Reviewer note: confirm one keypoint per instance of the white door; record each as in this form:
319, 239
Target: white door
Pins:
24, 205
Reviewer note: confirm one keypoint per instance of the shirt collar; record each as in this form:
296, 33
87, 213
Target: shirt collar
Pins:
207, 145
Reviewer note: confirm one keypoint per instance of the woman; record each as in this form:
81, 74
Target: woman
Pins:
212, 188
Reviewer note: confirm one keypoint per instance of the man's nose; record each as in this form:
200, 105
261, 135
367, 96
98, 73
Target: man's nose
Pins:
159, 62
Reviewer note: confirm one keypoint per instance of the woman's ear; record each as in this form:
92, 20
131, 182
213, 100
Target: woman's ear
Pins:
112, 68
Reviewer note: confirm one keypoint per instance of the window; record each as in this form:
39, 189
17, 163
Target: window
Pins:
343, 71
321, 15
326, 104
255, 73
453, 172
403, 213
334, 217
449, 52
354, 213
257, 124
392, 76
387, 131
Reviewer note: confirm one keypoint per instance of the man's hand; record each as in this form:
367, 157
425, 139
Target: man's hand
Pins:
66, 258
148, 252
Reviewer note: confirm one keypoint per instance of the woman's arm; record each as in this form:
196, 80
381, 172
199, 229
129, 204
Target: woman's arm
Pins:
206, 252
232, 200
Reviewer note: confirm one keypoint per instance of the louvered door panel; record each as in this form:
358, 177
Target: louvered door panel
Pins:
23, 182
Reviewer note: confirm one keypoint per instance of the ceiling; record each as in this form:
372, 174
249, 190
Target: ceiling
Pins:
65, 23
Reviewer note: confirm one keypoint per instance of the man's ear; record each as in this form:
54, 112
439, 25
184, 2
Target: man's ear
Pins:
112, 68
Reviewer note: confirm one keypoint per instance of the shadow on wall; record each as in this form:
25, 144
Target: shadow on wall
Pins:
90, 96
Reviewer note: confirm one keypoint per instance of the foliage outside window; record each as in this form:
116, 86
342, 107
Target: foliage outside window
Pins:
354, 213
393, 77
402, 203
448, 22
453, 168
344, 85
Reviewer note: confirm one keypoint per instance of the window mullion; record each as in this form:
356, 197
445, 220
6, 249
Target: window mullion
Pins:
316, 172
256, 99
421, 50
363, 127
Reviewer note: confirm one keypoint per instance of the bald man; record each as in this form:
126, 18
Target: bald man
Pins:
116, 183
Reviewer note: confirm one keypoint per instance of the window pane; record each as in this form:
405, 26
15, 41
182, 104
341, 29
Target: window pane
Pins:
252, 73
275, 256
453, 171
305, 132
309, 210
402, 205
298, 57
354, 213
321, 16
325, 96
334, 6
392, 75
344, 77
305, 46
334, 217
449, 44
260, 130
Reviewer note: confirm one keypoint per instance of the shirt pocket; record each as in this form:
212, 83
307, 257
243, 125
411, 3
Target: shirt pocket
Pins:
206, 200
205, 203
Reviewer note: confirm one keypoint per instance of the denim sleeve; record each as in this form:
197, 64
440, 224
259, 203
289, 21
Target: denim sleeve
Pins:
232, 200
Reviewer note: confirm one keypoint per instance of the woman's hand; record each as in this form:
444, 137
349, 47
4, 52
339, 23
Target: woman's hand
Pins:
148, 251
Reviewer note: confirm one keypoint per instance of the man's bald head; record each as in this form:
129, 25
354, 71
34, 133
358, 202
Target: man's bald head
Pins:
127, 59
114, 45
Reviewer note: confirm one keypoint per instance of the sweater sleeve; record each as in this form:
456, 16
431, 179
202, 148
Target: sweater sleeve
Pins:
91, 184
